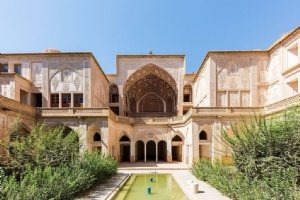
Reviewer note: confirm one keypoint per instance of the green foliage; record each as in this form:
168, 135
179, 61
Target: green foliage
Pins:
46, 165
62, 182
279, 185
42, 147
264, 145
266, 155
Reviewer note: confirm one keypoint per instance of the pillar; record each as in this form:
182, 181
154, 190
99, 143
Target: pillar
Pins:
169, 150
132, 151
145, 152
60, 100
156, 158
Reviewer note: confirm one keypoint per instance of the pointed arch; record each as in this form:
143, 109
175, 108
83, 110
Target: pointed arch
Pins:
145, 70
97, 137
124, 138
154, 83
202, 135
177, 138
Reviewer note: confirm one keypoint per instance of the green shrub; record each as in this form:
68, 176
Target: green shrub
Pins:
236, 185
264, 145
42, 147
46, 165
62, 182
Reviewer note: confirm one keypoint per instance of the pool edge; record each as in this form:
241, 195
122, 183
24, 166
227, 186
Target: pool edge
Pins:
117, 188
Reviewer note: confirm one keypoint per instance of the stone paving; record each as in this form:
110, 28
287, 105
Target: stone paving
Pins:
180, 172
104, 190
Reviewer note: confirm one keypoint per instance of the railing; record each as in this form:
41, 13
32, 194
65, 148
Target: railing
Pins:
283, 104
73, 112
10, 104
225, 111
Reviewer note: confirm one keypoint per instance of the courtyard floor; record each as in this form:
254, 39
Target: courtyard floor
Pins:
180, 172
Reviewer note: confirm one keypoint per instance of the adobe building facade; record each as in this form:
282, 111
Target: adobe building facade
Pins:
150, 110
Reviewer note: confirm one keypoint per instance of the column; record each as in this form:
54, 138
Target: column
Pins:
169, 150
72, 100
145, 152
60, 100
156, 158
132, 151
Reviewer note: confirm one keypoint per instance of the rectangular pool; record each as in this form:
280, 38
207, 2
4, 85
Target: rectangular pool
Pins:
162, 187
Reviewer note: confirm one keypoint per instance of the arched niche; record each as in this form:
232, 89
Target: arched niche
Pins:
187, 93
147, 90
113, 93
97, 137
202, 135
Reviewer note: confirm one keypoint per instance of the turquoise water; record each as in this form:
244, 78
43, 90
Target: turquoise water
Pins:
163, 187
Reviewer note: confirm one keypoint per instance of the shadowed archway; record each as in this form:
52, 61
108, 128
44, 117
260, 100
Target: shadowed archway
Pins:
150, 91
151, 151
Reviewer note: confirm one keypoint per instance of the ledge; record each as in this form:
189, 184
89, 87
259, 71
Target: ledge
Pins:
13, 105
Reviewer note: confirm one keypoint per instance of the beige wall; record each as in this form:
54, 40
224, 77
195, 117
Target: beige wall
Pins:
284, 69
99, 86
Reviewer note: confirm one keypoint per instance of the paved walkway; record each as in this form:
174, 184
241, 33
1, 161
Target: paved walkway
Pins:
104, 190
180, 172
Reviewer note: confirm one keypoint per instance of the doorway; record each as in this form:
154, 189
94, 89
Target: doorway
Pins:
125, 152
151, 151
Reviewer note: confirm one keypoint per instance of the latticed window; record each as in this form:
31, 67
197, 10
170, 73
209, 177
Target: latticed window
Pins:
54, 100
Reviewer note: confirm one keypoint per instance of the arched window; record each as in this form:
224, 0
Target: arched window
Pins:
177, 138
113, 94
187, 93
97, 137
124, 138
203, 135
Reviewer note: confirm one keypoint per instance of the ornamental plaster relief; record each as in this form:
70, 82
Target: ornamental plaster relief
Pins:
66, 80
233, 74
36, 74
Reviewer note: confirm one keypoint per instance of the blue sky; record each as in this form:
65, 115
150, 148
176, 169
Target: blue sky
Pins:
112, 27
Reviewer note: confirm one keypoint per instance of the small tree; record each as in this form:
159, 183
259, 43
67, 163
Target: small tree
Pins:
42, 147
266, 144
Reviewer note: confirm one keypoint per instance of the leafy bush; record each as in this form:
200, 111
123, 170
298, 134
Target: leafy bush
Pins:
266, 155
62, 182
236, 185
264, 145
42, 147
50, 167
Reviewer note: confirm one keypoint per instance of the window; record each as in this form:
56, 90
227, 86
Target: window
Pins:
292, 56
3, 67
54, 100
187, 93
66, 100
97, 137
36, 99
203, 135
186, 98
113, 94
78, 100
18, 69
